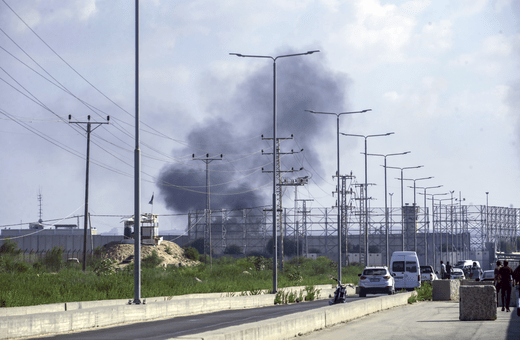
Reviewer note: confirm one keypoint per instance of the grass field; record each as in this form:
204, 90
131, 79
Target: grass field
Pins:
50, 280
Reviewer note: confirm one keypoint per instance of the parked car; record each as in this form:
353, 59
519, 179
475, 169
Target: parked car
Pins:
489, 275
428, 274
405, 269
466, 266
457, 273
375, 280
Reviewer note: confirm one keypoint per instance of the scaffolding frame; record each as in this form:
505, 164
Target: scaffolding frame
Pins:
451, 233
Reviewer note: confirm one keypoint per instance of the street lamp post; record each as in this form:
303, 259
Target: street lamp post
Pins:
386, 198
366, 185
275, 153
402, 200
338, 178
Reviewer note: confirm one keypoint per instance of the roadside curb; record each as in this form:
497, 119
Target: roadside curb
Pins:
301, 323
19, 322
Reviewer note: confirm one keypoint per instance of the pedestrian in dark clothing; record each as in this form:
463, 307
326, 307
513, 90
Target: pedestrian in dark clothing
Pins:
516, 283
448, 270
505, 274
496, 281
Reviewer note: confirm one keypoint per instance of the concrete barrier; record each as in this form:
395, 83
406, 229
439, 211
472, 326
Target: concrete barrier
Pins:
301, 323
512, 301
75, 316
446, 290
477, 302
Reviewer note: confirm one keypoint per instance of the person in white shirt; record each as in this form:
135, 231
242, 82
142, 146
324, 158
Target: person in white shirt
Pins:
476, 272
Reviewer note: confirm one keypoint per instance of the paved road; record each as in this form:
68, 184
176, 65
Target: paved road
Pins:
192, 324
424, 320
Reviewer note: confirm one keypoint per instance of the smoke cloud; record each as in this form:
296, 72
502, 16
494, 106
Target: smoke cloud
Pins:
237, 181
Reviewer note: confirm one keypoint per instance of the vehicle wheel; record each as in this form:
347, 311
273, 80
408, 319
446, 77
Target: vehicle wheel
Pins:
362, 293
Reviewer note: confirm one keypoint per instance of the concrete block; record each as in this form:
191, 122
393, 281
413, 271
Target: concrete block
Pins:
475, 283
477, 303
446, 290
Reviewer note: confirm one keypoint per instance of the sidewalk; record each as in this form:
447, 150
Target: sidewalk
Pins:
423, 320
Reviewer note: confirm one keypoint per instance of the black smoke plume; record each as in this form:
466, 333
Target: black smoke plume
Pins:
237, 181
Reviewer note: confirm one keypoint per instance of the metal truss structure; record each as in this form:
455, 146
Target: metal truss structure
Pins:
451, 233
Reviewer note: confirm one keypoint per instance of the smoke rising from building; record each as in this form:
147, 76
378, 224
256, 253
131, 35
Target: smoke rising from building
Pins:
235, 130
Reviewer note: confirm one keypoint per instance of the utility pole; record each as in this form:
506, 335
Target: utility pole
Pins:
207, 231
341, 205
279, 190
305, 211
300, 181
89, 129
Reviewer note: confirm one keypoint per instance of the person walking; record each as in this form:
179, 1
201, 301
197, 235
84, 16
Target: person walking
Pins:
516, 284
443, 271
505, 274
496, 281
476, 272
448, 270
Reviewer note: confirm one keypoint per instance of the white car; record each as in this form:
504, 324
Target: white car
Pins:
457, 273
428, 274
375, 280
489, 275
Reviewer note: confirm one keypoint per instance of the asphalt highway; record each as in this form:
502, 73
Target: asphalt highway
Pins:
192, 324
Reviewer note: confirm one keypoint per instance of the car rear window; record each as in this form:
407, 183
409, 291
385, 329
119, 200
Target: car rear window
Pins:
374, 272
398, 266
426, 270
411, 267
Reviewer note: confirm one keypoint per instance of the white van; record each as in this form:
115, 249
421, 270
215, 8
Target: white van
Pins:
404, 266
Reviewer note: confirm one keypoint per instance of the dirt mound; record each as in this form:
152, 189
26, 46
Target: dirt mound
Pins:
170, 252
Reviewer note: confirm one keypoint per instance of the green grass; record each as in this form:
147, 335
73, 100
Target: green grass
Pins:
52, 281
424, 293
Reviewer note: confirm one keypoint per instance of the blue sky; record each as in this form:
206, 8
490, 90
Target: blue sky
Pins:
443, 75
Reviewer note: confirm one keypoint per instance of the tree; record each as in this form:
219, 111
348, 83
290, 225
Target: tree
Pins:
191, 253
197, 244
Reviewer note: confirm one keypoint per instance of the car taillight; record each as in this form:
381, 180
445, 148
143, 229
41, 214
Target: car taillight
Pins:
386, 277
363, 277
418, 277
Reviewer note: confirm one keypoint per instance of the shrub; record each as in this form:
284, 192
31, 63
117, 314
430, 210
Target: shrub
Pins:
9, 248
104, 267
425, 293
53, 260
197, 244
191, 253
151, 261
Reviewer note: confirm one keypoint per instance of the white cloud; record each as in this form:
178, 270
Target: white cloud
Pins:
374, 34
85, 9
469, 7
501, 4
437, 36
493, 57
